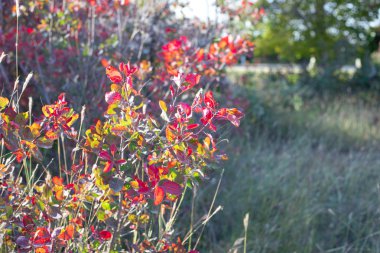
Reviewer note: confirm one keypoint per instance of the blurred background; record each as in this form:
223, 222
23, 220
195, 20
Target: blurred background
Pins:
305, 162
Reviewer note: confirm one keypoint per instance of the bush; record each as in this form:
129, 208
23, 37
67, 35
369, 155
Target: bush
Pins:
118, 185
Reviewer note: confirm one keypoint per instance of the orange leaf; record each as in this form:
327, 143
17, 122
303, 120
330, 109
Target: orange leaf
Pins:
108, 167
200, 55
43, 249
104, 62
51, 135
145, 65
119, 129
113, 74
170, 136
159, 195
223, 42
19, 155
58, 181
67, 234
59, 195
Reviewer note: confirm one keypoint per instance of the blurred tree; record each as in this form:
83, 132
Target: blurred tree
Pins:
334, 31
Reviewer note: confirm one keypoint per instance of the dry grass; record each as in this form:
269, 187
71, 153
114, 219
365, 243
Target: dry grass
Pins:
309, 178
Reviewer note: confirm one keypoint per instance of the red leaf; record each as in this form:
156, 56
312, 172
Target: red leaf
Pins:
233, 115
105, 235
127, 69
113, 149
172, 92
62, 98
159, 195
121, 162
192, 126
113, 74
153, 173
143, 186
209, 100
207, 116
171, 187
41, 236
192, 80
112, 97
19, 155
189, 151
104, 155
223, 42
28, 222
184, 108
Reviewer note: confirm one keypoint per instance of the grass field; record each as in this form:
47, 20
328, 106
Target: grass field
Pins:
306, 168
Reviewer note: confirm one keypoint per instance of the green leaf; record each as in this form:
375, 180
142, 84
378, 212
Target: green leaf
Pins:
106, 206
101, 215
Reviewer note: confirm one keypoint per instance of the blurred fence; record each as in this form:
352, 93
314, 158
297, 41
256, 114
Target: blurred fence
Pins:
281, 68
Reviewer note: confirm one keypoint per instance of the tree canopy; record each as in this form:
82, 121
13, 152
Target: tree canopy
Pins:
331, 30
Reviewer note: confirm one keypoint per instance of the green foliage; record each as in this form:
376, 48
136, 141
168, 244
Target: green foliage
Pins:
330, 30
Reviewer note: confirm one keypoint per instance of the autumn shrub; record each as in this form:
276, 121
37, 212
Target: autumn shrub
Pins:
116, 185
122, 184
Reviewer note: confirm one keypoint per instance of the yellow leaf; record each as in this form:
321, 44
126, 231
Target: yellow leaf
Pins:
3, 102
163, 106
47, 110
35, 129
115, 87
73, 119
169, 135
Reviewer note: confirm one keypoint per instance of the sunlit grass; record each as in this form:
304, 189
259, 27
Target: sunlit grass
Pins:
309, 177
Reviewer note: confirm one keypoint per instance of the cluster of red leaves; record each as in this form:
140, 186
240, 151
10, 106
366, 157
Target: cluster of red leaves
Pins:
178, 55
24, 139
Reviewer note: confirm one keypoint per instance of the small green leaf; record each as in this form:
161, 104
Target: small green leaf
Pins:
101, 215
106, 206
